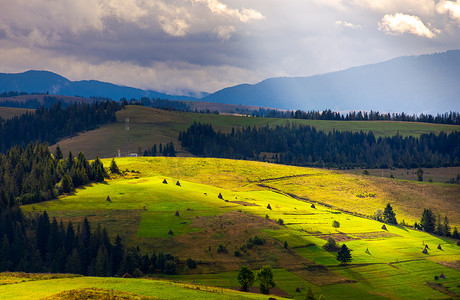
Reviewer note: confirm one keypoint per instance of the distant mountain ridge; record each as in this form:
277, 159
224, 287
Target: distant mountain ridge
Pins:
45, 81
426, 83
412, 84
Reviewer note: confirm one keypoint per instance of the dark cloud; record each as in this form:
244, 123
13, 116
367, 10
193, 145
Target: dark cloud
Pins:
201, 45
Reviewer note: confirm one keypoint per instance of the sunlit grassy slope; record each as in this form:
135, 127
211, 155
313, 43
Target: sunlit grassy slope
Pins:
35, 286
150, 126
386, 263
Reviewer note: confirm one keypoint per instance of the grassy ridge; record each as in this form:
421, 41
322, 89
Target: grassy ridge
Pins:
150, 126
11, 112
386, 263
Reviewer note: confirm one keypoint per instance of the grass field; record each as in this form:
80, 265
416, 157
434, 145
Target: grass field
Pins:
42, 287
150, 126
11, 112
386, 263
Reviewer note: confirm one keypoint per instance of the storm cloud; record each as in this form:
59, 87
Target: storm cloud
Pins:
206, 45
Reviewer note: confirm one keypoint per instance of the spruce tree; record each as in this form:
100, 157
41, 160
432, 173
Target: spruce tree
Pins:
389, 215
113, 167
344, 255
428, 221
58, 155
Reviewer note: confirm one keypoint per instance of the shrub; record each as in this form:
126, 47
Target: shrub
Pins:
280, 221
258, 241
191, 263
331, 245
170, 267
336, 224
222, 249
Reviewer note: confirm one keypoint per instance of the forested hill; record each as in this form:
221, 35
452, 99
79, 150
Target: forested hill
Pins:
51, 124
305, 146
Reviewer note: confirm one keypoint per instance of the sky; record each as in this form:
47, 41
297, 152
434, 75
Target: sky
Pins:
178, 46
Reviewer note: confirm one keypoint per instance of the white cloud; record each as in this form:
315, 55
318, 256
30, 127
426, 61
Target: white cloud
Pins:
224, 32
451, 7
348, 25
400, 23
408, 6
244, 15
174, 27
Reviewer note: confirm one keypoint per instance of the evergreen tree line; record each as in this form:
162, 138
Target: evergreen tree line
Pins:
165, 104
434, 223
452, 118
166, 150
33, 174
8, 94
38, 244
305, 146
50, 124
48, 102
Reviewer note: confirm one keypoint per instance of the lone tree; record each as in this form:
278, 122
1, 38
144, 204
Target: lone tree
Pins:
428, 220
389, 215
245, 278
113, 167
344, 255
265, 278
419, 174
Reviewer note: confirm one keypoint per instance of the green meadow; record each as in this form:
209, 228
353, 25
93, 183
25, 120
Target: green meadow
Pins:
386, 263
128, 288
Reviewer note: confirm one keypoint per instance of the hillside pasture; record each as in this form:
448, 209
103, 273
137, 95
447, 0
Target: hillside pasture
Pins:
255, 196
114, 288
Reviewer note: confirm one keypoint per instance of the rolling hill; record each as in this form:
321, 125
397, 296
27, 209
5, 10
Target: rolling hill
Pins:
387, 263
415, 84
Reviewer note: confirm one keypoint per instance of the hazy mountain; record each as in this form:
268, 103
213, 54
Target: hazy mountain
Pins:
426, 83
44, 81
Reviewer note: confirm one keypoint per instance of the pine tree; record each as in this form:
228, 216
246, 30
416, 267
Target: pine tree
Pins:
113, 167
344, 255
388, 215
58, 155
428, 221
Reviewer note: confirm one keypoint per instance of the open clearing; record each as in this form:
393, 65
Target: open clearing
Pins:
11, 112
149, 126
386, 263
